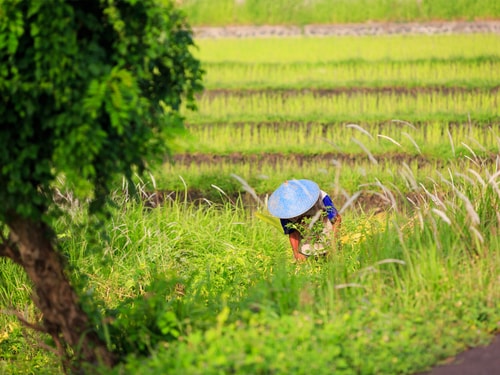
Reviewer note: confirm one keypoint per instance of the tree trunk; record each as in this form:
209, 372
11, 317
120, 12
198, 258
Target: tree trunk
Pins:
63, 317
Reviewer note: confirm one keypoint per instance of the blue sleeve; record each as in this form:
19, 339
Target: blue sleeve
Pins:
330, 208
284, 223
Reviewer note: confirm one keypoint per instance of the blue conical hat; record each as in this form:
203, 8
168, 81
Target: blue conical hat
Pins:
293, 198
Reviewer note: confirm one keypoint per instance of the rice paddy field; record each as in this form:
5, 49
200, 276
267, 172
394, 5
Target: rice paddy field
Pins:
403, 132
343, 111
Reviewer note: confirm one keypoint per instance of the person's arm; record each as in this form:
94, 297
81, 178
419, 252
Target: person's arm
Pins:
294, 238
336, 224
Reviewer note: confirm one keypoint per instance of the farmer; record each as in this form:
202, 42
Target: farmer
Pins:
307, 215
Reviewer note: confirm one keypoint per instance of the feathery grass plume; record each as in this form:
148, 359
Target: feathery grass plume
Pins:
413, 202
373, 268
434, 198
247, 188
367, 152
360, 128
398, 191
349, 285
405, 123
345, 194
477, 234
125, 189
471, 212
442, 215
470, 150
389, 260
494, 184
478, 177
472, 160
223, 193
408, 174
470, 180
412, 141
477, 143
314, 219
151, 198
451, 142
390, 139
153, 180
434, 230
365, 271
350, 201
336, 184
185, 189
377, 193
388, 194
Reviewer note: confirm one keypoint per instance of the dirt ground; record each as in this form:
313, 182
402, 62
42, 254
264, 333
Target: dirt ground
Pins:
372, 28
483, 360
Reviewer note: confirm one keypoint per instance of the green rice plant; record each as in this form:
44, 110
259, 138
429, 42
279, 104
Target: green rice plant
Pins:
454, 72
341, 178
315, 138
352, 107
401, 48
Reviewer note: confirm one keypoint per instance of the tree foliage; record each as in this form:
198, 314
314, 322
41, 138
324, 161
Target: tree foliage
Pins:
89, 90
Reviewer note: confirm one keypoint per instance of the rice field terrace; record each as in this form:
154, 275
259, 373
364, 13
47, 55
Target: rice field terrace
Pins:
343, 110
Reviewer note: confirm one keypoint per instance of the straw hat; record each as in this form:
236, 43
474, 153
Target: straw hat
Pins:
293, 198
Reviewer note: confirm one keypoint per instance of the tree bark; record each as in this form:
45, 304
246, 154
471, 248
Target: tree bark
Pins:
63, 318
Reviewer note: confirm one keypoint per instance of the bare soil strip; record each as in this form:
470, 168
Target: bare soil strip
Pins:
318, 92
393, 28
260, 159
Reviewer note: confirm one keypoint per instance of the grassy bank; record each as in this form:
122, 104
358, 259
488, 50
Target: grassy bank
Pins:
300, 12
212, 289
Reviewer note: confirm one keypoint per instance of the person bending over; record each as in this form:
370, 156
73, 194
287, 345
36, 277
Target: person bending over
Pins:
307, 215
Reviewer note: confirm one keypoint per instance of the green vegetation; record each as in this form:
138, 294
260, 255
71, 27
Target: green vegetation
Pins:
272, 112
349, 106
413, 292
447, 73
300, 12
190, 278
423, 138
90, 91
336, 49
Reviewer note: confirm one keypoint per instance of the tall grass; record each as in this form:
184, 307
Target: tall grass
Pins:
300, 12
411, 293
420, 286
